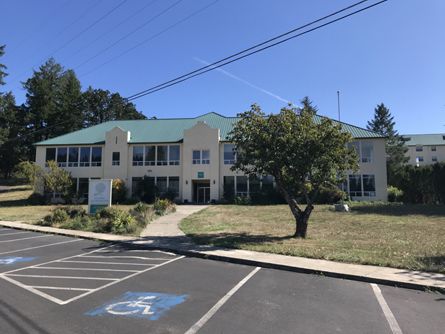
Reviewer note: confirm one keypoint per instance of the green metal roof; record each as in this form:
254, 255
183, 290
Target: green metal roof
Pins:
425, 139
168, 130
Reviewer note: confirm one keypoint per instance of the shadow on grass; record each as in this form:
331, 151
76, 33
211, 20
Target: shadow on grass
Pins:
400, 209
433, 263
235, 239
15, 202
9, 190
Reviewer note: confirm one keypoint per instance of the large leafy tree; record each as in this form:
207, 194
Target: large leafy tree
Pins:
384, 124
101, 106
302, 151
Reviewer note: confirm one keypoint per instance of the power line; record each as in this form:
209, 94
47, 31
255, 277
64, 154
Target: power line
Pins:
130, 33
82, 32
188, 17
138, 11
241, 54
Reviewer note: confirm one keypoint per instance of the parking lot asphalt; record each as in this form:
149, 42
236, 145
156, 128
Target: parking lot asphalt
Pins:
55, 284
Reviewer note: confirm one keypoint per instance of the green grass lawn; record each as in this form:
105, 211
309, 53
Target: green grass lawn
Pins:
14, 205
401, 236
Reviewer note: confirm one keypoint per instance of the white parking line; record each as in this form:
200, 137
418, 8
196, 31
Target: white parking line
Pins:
206, 317
125, 257
58, 288
96, 262
35, 247
9, 276
39, 236
3, 234
393, 324
121, 280
70, 277
87, 269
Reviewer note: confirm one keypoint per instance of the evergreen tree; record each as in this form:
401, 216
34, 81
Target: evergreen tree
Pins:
101, 106
11, 127
384, 124
53, 102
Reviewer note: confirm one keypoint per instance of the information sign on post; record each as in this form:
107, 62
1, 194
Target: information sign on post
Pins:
99, 195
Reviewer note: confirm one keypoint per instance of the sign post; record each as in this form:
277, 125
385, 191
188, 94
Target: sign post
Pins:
99, 195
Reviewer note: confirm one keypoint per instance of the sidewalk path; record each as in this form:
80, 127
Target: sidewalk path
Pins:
167, 226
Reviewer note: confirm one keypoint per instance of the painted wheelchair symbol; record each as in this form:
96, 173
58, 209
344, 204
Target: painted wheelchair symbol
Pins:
141, 305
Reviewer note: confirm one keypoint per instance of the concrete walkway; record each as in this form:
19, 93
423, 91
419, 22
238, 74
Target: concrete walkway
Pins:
167, 226
165, 235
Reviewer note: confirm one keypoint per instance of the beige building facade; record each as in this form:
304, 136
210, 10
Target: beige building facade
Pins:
190, 158
425, 149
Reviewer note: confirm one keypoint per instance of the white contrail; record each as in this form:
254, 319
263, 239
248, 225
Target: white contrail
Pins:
233, 76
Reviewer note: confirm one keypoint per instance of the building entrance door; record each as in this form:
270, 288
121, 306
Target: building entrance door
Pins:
201, 192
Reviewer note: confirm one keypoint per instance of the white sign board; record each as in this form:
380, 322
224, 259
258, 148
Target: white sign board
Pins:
99, 194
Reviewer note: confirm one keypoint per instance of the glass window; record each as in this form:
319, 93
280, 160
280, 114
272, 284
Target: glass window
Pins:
196, 158
173, 155
419, 148
50, 154
136, 183
229, 187
355, 185
150, 155
73, 156
173, 185
138, 155
368, 185
161, 183
433, 148
83, 187
205, 157
367, 151
73, 185
267, 182
85, 156
356, 146
96, 156
241, 185
229, 154
254, 184
116, 159
61, 156
419, 159
434, 158
162, 155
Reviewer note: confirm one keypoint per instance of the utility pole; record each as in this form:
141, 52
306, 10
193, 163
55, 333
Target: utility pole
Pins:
338, 104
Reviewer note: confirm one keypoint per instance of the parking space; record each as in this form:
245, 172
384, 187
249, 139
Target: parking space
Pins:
88, 287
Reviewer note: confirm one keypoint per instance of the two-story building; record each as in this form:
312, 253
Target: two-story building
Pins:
188, 156
425, 149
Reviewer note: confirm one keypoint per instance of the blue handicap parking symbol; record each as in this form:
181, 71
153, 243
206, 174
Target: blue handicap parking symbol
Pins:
148, 305
14, 259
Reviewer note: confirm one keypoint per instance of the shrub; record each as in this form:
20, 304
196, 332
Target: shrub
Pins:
143, 213
58, 216
330, 195
119, 191
113, 220
162, 206
242, 200
57, 180
30, 172
394, 194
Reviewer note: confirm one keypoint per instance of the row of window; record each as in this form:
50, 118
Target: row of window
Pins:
163, 184
421, 159
75, 156
361, 185
419, 148
243, 185
160, 155
364, 149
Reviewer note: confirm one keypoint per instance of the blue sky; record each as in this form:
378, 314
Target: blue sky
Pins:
393, 53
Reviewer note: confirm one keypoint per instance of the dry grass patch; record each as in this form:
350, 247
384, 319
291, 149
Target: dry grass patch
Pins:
401, 236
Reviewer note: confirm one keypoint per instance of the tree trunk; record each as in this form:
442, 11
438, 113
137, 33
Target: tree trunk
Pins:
302, 221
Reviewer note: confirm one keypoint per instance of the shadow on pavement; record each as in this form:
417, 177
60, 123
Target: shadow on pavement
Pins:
18, 321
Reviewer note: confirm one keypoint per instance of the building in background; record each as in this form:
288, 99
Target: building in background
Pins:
189, 157
425, 149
